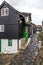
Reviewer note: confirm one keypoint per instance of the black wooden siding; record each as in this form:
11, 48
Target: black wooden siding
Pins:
12, 18
13, 29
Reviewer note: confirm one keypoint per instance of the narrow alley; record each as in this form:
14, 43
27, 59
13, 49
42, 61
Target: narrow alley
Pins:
28, 56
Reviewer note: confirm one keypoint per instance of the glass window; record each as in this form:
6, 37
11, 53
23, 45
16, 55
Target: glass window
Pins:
9, 42
27, 19
1, 28
4, 11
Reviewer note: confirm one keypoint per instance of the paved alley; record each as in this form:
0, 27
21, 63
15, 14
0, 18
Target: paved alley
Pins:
28, 56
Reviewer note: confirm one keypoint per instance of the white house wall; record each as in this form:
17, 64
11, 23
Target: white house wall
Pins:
11, 49
8, 49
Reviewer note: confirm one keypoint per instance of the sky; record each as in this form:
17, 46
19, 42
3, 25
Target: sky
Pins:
35, 7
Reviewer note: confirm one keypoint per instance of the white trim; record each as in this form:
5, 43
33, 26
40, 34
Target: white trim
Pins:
29, 40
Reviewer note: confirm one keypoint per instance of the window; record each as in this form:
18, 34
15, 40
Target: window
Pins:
27, 19
9, 42
1, 28
4, 11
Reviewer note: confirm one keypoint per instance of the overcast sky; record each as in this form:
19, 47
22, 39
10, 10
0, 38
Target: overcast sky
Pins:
31, 6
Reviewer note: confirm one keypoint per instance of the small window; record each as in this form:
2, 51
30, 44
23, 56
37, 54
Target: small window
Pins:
1, 28
9, 42
4, 11
27, 19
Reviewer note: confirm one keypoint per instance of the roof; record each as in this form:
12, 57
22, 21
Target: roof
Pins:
8, 5
26, 14
33, 24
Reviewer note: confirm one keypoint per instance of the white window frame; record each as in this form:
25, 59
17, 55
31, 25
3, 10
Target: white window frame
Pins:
1, 28
27, 18
3, 11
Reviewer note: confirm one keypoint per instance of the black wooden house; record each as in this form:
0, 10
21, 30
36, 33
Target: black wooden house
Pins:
11, 22
14, 26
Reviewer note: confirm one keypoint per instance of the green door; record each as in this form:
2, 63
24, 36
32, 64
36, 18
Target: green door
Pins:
25, 32
0, 45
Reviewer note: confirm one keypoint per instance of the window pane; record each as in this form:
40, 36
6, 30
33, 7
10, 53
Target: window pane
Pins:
1, 28
9, 42
4, 11
27, 18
